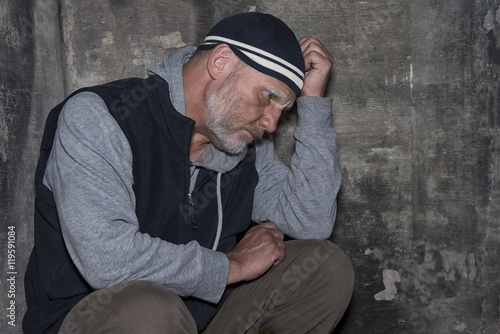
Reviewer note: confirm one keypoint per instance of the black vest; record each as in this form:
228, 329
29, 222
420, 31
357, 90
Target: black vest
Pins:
159, 138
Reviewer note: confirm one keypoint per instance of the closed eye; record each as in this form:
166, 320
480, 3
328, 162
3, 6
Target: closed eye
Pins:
275, 96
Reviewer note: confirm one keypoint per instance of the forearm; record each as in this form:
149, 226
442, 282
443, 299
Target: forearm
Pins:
302, 199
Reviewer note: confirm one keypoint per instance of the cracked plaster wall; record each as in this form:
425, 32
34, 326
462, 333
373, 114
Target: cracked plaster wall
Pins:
417, 112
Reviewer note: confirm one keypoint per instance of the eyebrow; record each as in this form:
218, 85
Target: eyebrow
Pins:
281, 99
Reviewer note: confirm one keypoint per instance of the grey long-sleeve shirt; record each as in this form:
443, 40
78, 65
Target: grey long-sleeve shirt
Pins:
90, 173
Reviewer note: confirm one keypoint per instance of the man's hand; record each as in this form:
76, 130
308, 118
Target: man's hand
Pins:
319, 62
261, 248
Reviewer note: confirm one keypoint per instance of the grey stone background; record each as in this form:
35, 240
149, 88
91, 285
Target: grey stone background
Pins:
417, 111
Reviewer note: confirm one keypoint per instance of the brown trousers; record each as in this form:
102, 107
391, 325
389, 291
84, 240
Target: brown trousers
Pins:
307, 293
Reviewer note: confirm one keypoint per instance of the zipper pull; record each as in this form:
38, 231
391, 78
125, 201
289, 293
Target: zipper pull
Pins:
191, 212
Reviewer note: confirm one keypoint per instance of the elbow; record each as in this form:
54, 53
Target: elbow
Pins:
323, 235
99, 277
99, 281
311, 226
321, 229
319, 232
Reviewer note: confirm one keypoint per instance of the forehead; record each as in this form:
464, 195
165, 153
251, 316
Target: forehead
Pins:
270, 83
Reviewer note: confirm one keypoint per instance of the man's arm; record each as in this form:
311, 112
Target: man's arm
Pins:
302, 200
90, 174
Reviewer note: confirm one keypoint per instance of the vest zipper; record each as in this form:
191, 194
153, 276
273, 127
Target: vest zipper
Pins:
191, 212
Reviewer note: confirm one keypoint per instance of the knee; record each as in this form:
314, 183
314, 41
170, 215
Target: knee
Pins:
136, 306
329, 267
338, 266
137, 291
154, 309
145, 297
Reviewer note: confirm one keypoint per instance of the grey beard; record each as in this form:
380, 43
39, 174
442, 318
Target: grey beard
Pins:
220, 124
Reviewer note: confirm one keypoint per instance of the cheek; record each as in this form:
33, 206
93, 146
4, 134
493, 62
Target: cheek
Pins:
244, 104
245, 112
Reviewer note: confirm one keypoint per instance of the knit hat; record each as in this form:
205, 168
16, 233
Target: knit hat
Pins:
263, 42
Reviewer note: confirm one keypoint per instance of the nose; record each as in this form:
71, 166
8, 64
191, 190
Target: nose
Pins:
270, 118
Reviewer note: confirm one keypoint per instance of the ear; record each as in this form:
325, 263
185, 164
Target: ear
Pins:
221, 61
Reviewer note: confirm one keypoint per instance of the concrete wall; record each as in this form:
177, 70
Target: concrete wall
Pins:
417, 111
31, 82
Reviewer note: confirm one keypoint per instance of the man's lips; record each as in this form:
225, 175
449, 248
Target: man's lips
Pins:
255, 134
252, 135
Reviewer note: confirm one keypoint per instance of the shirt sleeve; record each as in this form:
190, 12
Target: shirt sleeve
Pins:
301, 199
90, 174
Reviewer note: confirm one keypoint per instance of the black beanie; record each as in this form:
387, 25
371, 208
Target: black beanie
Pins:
263, 42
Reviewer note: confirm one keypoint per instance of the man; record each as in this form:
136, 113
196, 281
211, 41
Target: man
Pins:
147, 189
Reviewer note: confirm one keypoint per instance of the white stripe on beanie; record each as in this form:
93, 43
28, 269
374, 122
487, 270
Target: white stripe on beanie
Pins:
259, 56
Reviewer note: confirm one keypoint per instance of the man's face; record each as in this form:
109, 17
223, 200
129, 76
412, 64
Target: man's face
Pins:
247, 104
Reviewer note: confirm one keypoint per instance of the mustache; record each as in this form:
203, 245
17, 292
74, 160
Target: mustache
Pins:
258, 132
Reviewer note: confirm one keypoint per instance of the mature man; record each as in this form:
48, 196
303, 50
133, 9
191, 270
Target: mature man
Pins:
147, 190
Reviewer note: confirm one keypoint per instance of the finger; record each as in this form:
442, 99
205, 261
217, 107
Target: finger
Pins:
280, 258
310, 43
313, 44
317, 51
319, 62
281, 244
277, 235
273, 229
304, 41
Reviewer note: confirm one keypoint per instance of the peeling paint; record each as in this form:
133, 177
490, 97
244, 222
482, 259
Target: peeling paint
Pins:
142, 62
411, 76
108, 39
172, 40
452, 260
164, 42
376, 252
390, 278
67, 34
471, 267
4, 136
459, 326
489, 20
387, 152
451, 275
405, 79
